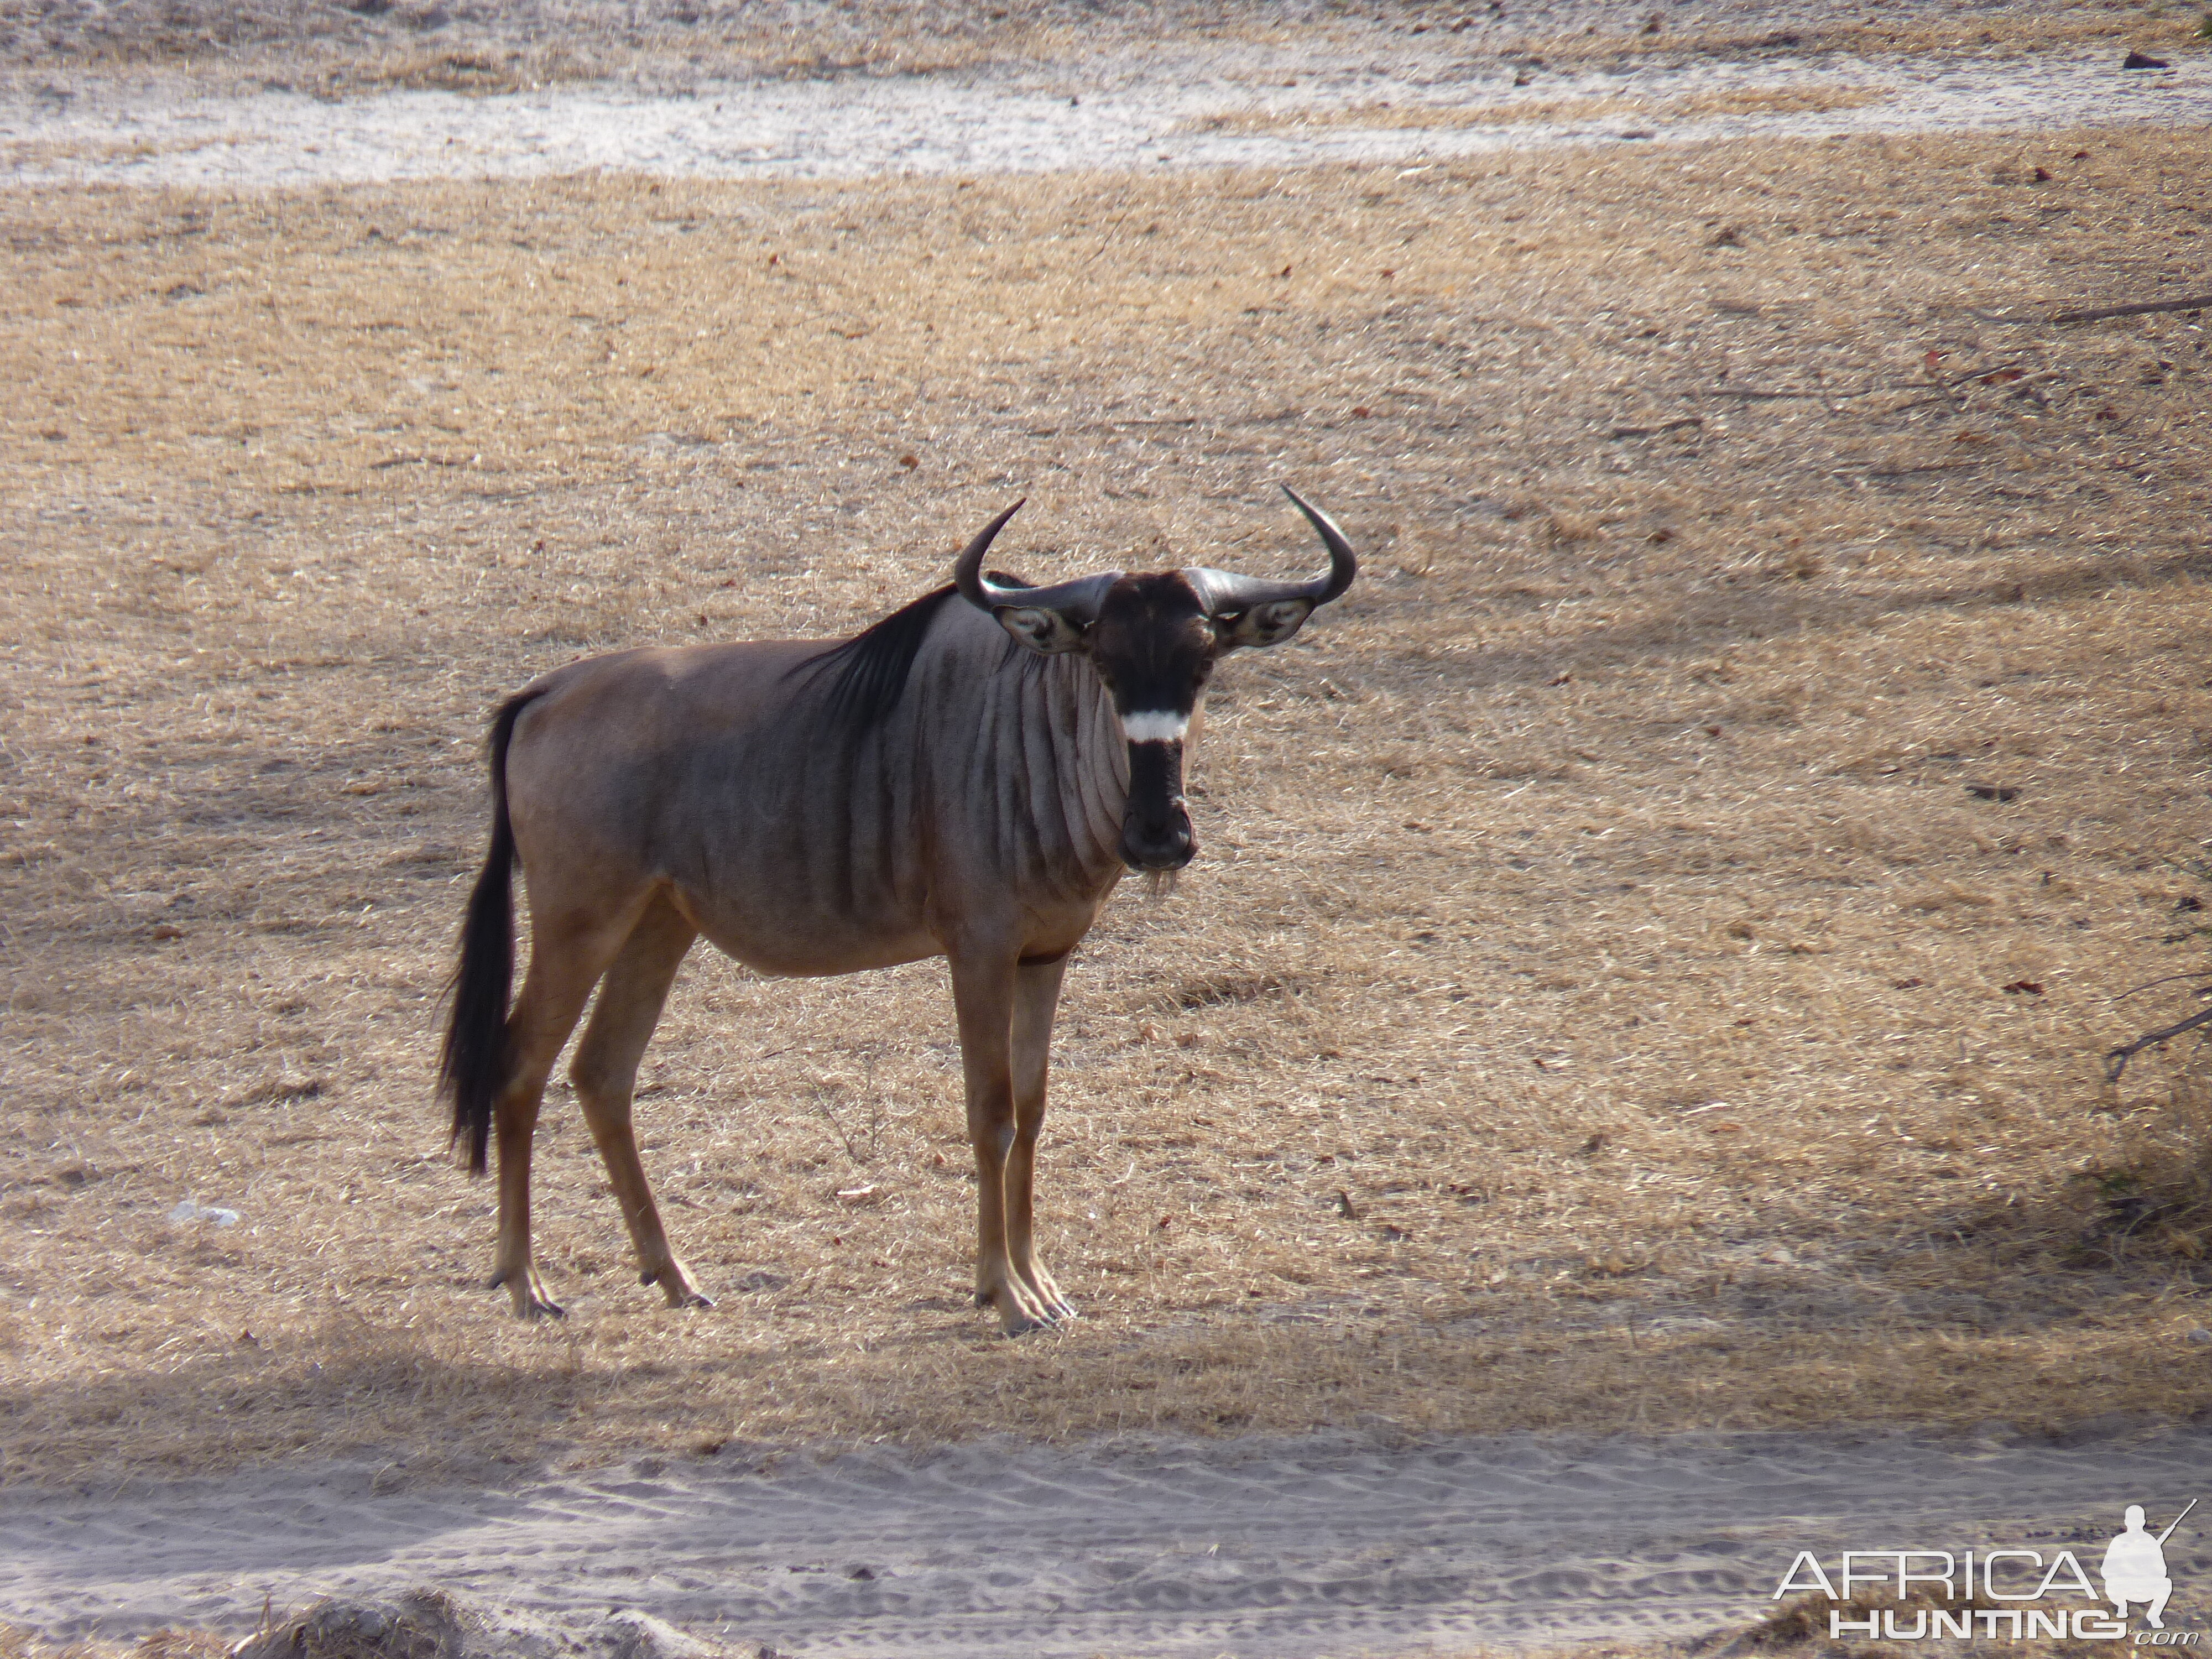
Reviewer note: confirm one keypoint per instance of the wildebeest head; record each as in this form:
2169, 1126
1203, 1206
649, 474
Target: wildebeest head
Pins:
1154, 639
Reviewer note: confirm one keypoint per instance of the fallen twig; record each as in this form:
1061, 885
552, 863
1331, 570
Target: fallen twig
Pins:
2163, 979
1982, 374
1835, 394
1105, 426
1653, 431
2116, 1062
2195, 302
1933, 466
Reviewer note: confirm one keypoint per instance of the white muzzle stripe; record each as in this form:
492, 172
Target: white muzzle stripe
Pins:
1164, 726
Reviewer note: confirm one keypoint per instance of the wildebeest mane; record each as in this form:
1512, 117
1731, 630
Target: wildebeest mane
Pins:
867, 673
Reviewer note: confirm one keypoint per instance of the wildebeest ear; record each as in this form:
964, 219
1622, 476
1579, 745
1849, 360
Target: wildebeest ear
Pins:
1263, 624
1045, 632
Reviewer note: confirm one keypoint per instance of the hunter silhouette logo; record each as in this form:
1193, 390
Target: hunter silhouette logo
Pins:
2007, 1594
2134, 1567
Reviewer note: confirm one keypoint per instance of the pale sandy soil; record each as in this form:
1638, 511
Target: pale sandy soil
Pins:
1174, 104
1268, 1549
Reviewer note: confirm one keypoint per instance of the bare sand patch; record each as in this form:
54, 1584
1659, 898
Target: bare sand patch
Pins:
1745, 100
1172, 110
1275, 1549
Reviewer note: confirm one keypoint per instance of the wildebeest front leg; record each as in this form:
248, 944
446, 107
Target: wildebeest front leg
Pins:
604, 1071
1037, 998
983, 999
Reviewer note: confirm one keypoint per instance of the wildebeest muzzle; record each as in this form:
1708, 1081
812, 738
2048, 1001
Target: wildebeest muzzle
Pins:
1156, 832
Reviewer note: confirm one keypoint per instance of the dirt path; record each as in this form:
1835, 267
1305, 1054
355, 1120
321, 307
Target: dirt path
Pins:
1213, 109
1278, 1549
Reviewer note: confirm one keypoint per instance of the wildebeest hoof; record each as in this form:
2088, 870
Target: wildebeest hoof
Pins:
1019, 1310
1052, 1309
1020, 1319
676, 1284
531, 1300
1053, 1306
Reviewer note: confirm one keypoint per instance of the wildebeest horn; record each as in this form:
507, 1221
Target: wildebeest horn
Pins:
1223, 592
1077, 600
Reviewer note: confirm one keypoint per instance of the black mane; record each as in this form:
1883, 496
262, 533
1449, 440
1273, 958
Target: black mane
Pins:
868, 673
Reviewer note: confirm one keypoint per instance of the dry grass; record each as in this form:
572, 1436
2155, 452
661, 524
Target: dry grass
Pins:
459, 45
1891, 32
1738, 101
18, 154
467, 45
1595, 902
18, 1643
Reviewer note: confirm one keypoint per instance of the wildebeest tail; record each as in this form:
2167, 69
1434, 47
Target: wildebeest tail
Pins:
473, 1067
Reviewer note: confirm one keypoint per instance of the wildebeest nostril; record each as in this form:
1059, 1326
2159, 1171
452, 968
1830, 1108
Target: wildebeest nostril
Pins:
1164, 843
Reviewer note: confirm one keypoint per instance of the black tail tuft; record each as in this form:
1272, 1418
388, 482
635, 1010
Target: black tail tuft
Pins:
473, 1068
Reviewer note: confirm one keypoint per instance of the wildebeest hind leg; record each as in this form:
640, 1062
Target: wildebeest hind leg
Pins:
1036, 998
567, 954
604, 1071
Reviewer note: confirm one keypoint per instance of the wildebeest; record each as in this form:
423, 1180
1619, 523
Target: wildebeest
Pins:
960, 780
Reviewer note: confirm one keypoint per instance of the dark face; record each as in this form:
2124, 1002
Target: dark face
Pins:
1154, 647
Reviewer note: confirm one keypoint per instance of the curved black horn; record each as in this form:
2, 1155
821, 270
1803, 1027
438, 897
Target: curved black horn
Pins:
1343, 566
1078, 597
968, 576
1223, 592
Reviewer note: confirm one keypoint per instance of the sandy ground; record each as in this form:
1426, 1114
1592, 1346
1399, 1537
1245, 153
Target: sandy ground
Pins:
1274, 1548
1165, 109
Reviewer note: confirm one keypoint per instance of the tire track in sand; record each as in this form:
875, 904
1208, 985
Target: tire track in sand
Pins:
1277, 1549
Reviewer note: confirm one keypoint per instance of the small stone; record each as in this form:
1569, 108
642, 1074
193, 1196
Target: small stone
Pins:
191, 1209
633, 1635
2199, 1334
2144, 60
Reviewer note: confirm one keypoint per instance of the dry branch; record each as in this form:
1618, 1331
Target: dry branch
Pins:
2116, 1061
2194, 303
2141, 309
1653, 431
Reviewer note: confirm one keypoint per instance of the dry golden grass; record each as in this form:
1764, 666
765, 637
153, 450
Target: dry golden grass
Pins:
1889, 31
1740, 100
373, 45
1594, 904
17, 153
